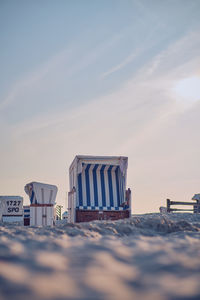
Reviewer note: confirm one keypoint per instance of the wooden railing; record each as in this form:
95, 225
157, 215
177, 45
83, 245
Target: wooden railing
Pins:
195, 209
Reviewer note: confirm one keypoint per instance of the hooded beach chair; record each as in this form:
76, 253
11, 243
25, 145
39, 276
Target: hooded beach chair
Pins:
98, 188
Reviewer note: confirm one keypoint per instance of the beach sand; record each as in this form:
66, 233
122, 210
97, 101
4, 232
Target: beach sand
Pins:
151, 256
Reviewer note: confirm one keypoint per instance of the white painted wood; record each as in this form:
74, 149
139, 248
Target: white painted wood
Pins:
41, 215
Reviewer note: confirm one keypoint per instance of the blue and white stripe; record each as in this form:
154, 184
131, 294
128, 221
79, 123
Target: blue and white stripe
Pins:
101, 208
26, 210
100, 187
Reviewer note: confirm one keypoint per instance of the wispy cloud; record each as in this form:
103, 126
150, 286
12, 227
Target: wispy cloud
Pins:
146, 43
180, 59
148, 88
35, 76
54, 66
121, 65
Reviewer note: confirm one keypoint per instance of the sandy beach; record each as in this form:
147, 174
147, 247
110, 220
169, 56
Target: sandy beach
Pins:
149, 256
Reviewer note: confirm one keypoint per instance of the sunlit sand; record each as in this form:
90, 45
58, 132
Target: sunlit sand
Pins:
151, 256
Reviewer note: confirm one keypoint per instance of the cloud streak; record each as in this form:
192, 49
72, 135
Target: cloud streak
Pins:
125, 62
54, 65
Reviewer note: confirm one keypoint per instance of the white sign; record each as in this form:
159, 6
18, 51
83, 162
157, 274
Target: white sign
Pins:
11, 205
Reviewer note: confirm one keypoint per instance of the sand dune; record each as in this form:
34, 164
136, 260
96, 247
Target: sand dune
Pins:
150, 256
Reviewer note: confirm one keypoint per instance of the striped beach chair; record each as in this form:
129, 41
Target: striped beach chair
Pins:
98, 189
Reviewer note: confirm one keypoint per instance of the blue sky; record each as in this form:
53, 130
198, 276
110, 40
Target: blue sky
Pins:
105, 78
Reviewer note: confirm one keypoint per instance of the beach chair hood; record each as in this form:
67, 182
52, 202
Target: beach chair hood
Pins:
41, 193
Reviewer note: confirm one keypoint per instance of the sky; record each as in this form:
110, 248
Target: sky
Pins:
109, 77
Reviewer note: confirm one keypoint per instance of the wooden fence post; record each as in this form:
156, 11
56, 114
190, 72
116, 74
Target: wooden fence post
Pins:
168, 205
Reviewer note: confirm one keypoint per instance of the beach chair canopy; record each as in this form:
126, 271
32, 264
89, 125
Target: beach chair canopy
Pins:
41, 193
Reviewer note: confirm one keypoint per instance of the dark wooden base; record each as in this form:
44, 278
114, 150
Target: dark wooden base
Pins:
92, 215
26, 221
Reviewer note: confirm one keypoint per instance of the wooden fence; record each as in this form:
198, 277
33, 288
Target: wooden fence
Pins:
195, 208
